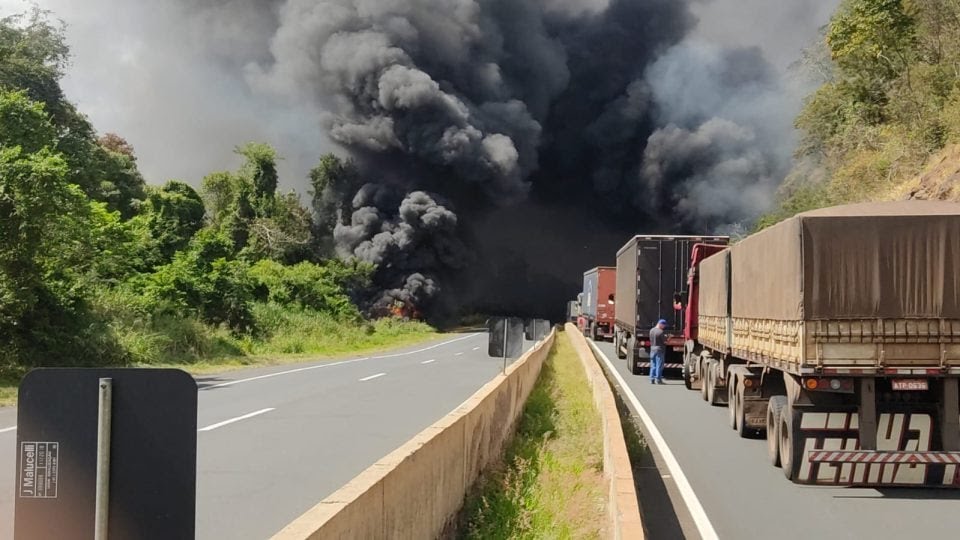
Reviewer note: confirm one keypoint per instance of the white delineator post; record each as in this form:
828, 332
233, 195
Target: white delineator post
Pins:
102, 516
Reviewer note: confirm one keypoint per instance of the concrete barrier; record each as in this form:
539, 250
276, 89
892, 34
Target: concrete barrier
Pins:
623, 510
417, 490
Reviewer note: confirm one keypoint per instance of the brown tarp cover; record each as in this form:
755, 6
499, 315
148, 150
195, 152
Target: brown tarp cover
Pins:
713, 285
877, 260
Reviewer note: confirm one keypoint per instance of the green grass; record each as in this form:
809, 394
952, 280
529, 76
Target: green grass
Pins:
286, 336
551, 483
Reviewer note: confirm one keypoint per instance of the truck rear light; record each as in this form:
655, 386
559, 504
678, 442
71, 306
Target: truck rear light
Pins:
829, 385
748, 383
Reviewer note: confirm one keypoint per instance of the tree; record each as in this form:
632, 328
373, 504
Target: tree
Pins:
332, 182
174, 214
33, 55
872, 39
284, 232
261, 169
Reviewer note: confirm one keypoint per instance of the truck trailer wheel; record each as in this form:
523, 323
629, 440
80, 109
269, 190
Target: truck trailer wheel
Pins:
791, 448
618, 344
687, 364
703, 379
740, 411
774, 409
732, 413
712, 396
593, 331
632, 355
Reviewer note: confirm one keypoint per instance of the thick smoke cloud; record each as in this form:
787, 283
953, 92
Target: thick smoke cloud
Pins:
506, 145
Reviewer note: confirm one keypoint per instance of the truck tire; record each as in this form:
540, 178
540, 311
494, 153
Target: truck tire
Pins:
703, 379
774, 409
618, 344
687, 364
732, 401
632, 355
593, 331
791, 451
712, 395
740, 412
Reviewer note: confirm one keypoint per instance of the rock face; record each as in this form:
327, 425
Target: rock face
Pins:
940, 180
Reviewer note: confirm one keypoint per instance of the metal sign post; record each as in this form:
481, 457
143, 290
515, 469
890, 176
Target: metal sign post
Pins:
104, 413
505, 344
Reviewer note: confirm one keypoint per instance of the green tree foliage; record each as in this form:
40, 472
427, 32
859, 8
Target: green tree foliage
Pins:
308, 285
174, 213
890, 99
207, 281
98, 268
33, 55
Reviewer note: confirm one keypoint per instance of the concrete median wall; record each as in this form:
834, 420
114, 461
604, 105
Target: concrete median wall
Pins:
417, 490
623, 509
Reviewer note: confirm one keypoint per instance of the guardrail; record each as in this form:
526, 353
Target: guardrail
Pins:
417, 490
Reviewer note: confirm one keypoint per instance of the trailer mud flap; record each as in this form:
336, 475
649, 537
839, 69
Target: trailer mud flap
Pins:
896, 432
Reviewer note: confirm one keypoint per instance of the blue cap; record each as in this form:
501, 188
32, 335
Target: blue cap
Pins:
662, 321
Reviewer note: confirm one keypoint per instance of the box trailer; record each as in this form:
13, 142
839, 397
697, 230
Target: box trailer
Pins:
597, 310
836, 334
651, 285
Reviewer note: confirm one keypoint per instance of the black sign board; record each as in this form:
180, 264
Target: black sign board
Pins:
537, 329
505, 329
153, 454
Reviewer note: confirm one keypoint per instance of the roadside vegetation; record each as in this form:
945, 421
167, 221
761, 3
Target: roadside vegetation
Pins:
551, 482
888, 103
98, 268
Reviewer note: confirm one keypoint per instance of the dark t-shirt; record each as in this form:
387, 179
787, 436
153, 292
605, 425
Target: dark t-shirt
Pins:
656, 338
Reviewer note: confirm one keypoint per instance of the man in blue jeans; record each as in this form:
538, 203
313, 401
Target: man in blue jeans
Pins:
657, 351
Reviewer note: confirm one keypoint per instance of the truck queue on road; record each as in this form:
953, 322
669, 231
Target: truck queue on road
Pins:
834, 334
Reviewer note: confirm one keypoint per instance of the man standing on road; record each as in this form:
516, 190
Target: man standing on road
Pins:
657, 352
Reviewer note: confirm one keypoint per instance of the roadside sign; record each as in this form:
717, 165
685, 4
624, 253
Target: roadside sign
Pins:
151, 458
505, 337
537, 329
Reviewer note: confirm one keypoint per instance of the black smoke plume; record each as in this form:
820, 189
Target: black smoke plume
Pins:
505, 146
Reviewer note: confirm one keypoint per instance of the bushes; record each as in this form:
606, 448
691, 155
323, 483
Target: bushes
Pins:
307, 285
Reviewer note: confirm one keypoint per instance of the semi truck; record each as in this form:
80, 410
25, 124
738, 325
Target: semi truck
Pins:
836, 336
651, 285
598, 301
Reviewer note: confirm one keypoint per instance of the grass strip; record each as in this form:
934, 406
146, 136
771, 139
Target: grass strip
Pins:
202, 350
551, 483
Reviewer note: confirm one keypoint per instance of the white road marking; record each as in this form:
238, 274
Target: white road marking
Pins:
476, 348
372, 377
432, 360
332, 364
237, 419
458, 354
4, 430
700, 519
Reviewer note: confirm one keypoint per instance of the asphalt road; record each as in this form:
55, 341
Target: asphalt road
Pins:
743, 497
275, 441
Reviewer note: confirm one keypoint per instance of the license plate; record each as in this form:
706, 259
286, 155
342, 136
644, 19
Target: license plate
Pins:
678, 349
909, 384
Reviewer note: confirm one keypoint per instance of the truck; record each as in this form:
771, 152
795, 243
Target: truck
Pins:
651, 285
596, 311
835, 335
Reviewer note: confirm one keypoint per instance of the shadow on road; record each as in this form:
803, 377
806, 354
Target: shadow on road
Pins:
905, 494
660, 519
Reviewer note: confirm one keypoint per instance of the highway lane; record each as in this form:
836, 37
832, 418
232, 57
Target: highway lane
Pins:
743, 497
275, 441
